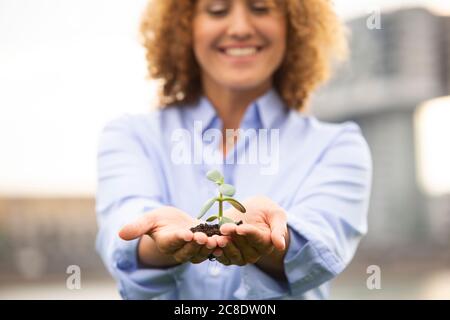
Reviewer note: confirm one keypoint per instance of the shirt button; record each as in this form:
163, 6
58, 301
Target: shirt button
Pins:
124, 264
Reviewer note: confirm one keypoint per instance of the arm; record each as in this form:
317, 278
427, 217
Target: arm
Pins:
128, 187
158, 242
326, 220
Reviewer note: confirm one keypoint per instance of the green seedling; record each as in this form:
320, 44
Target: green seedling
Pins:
226, 192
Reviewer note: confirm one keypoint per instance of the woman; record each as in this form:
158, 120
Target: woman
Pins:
225, 65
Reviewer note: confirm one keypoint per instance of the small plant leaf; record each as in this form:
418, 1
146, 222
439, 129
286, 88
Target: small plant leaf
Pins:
208, 204
235, 204
225, 220
215, 176
227, 190
212, 218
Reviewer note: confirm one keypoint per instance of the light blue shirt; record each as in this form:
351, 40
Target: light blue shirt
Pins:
319, 172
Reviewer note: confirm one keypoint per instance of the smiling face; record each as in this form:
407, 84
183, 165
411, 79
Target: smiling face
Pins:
239, 44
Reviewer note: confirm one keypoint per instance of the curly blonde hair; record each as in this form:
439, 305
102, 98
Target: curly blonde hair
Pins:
315, 39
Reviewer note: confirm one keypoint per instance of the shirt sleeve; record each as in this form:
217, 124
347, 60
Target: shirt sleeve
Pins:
129, 185
326, 221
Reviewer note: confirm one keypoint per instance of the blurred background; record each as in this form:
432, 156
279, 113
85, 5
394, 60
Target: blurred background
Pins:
67, 67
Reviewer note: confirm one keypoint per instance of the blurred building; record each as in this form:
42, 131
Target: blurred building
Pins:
43, 236
392, 70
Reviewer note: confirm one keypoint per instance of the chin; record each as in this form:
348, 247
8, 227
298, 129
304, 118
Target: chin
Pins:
243, 83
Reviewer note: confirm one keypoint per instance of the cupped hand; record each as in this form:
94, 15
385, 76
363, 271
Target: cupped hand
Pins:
169, 227
264, 229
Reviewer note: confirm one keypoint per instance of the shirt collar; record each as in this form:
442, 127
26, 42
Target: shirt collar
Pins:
265, 112
202, 111
271, 108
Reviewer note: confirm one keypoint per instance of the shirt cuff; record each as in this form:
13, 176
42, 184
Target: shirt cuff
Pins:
121, 259
137, 282
258, 285
307, 265
311, 264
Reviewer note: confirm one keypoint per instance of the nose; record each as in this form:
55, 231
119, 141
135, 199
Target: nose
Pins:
241, 26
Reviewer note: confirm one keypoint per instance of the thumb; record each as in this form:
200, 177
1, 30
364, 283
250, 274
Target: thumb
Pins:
139, 227
278, 229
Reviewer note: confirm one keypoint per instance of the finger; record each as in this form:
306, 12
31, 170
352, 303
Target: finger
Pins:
224, 260
228, 228
211, 242
278, 229
278, 239
171, 242
249, 254
217, 252
204, 253
222, 241
233, 254
200, 238
133, 230
208, 246
188, 251
258, 239
185, 234
180, 237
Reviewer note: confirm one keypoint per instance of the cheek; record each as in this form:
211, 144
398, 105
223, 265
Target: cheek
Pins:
281, 48
278, 37
204, 35
276, 32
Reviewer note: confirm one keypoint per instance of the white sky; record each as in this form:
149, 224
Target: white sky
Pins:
67, 67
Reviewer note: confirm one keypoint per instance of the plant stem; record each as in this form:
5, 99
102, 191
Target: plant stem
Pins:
220, 207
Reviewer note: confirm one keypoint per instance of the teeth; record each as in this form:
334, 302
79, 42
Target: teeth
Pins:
240, 52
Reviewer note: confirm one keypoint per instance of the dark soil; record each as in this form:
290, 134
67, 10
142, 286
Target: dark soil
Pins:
209, 230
